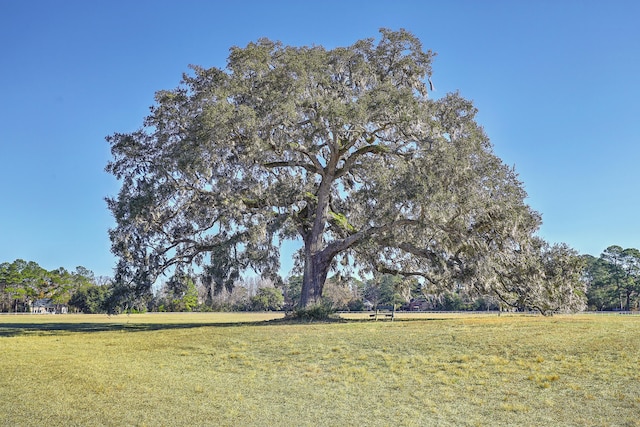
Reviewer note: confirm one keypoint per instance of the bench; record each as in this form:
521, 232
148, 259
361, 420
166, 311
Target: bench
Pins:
382, 314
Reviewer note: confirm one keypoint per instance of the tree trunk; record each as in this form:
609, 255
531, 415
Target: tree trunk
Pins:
316, 268
628, 300
316, 257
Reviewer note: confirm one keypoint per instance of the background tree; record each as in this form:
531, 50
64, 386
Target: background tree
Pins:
267, 299
632, 292
291, 290
384, 290
6, 286
128, 297
61, 284
338, 292
236, 298
23, 282
84, 291
90, 298
624, 266
341, 149
29, 283
614, 279
600, 294
178, 294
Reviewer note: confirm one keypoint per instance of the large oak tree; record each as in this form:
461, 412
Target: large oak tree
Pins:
342, 149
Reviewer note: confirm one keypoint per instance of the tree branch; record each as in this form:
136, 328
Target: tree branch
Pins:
350, 161
294, 163
396, 272
338, 246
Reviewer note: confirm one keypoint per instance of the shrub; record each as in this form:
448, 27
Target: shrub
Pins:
315, 313
356, 305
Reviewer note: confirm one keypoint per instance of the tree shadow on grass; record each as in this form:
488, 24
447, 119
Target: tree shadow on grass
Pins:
62, 328
14, 329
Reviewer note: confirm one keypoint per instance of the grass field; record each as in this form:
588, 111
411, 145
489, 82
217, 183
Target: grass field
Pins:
237, 370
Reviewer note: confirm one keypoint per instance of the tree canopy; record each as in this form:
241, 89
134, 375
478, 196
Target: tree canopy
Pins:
614, 279
342, 149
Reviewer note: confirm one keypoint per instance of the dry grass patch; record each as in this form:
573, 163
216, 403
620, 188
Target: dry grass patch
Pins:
201, 370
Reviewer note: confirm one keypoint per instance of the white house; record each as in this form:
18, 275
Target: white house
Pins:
47, 306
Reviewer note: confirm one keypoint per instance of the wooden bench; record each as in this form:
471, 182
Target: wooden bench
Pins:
383, 315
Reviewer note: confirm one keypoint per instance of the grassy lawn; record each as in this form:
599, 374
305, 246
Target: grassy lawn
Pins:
222, 369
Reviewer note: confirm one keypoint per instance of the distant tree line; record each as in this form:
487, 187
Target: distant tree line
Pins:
612, 282
613, 279
187, 293
22, 283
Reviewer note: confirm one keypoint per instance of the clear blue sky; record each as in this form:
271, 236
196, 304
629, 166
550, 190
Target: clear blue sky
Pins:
557, 84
